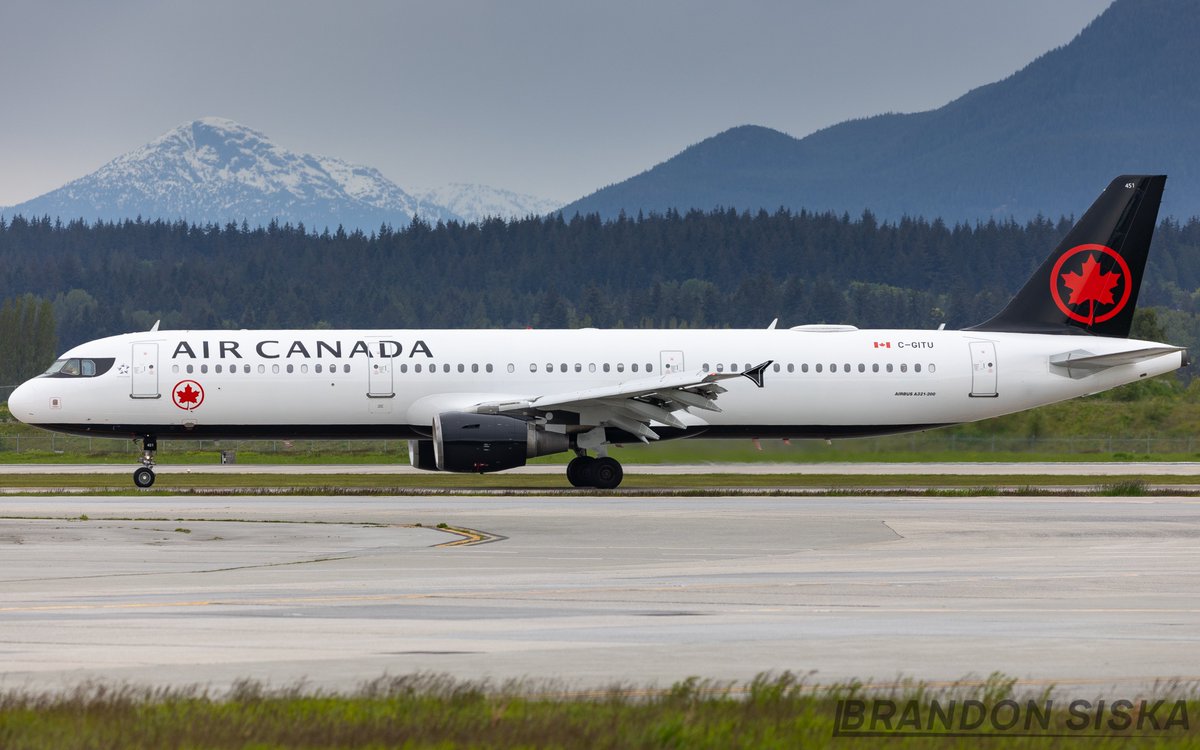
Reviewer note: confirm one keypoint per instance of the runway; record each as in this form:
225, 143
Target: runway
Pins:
1012, 468
1086, 592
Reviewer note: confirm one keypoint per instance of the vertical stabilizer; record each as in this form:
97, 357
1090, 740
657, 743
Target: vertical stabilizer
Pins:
1090, 283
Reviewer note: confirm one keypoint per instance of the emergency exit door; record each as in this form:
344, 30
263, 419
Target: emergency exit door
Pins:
983, 369
672, 361
144, 371
379, 373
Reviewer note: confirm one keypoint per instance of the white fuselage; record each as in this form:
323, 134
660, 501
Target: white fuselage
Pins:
822, 383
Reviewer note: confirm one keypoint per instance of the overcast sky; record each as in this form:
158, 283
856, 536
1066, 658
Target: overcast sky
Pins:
554, 98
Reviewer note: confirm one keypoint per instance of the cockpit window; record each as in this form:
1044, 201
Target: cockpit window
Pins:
79, 368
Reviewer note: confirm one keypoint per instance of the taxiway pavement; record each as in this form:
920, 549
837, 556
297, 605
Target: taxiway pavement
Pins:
1091, 592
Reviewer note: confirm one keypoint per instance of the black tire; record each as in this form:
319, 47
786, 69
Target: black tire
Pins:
143, 477
606, 473
579, 471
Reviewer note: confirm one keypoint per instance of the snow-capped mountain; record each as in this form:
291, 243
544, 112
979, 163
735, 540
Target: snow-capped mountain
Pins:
478, 202
216, 170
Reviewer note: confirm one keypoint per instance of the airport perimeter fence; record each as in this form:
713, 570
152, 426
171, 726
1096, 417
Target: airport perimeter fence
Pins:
46, 445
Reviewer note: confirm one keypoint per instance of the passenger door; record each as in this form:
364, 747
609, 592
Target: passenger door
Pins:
144, 371
983, 369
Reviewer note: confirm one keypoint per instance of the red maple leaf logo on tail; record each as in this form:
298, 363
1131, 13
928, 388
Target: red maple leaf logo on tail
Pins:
1091, 286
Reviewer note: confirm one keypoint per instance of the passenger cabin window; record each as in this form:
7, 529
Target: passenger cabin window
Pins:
488, 367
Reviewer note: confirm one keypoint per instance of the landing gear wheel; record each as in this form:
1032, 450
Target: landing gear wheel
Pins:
579, 471
143, 477
606, 473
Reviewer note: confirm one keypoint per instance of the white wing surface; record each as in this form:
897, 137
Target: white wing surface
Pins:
634, 405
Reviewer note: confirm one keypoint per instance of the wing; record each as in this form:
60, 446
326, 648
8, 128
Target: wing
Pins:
634, 404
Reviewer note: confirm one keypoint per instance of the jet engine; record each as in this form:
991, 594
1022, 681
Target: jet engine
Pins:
478, 443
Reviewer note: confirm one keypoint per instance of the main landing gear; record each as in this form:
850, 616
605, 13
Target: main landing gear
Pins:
144, 477
602, 473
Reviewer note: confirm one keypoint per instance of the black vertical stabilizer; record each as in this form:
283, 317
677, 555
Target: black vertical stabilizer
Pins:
1090, 283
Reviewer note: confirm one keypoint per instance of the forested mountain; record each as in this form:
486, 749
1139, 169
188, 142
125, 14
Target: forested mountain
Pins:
715, 269
1121, 98
216, 170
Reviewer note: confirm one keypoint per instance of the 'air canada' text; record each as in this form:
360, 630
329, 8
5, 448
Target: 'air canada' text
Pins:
296, 349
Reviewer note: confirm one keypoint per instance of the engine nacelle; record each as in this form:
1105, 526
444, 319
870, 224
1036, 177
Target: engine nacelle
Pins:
420, 455
478, 443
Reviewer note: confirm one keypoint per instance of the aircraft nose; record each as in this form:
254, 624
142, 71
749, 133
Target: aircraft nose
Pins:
21, 403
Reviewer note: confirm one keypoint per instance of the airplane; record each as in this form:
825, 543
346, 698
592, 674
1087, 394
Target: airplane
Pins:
479, 401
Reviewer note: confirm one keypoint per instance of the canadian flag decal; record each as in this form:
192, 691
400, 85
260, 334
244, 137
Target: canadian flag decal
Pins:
883, 345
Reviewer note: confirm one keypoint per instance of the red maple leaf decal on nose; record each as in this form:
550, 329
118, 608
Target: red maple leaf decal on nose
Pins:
188, 395
1091, 285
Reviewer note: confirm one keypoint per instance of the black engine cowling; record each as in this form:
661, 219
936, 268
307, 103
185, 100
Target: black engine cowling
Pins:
479, 443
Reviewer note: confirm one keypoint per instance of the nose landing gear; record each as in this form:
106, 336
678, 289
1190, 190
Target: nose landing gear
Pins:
144, 477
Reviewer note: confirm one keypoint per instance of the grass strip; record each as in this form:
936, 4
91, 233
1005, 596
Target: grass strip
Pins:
430, 711
174, 482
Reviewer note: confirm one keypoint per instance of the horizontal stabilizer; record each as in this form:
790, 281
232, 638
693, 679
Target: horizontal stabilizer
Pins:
1081, 363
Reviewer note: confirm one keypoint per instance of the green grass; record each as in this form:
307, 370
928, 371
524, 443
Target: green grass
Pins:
332, 484
428, 711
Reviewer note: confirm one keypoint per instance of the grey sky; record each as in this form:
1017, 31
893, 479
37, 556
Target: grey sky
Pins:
553, 98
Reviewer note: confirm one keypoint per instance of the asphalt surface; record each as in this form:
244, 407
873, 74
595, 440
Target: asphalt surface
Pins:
1086, 592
